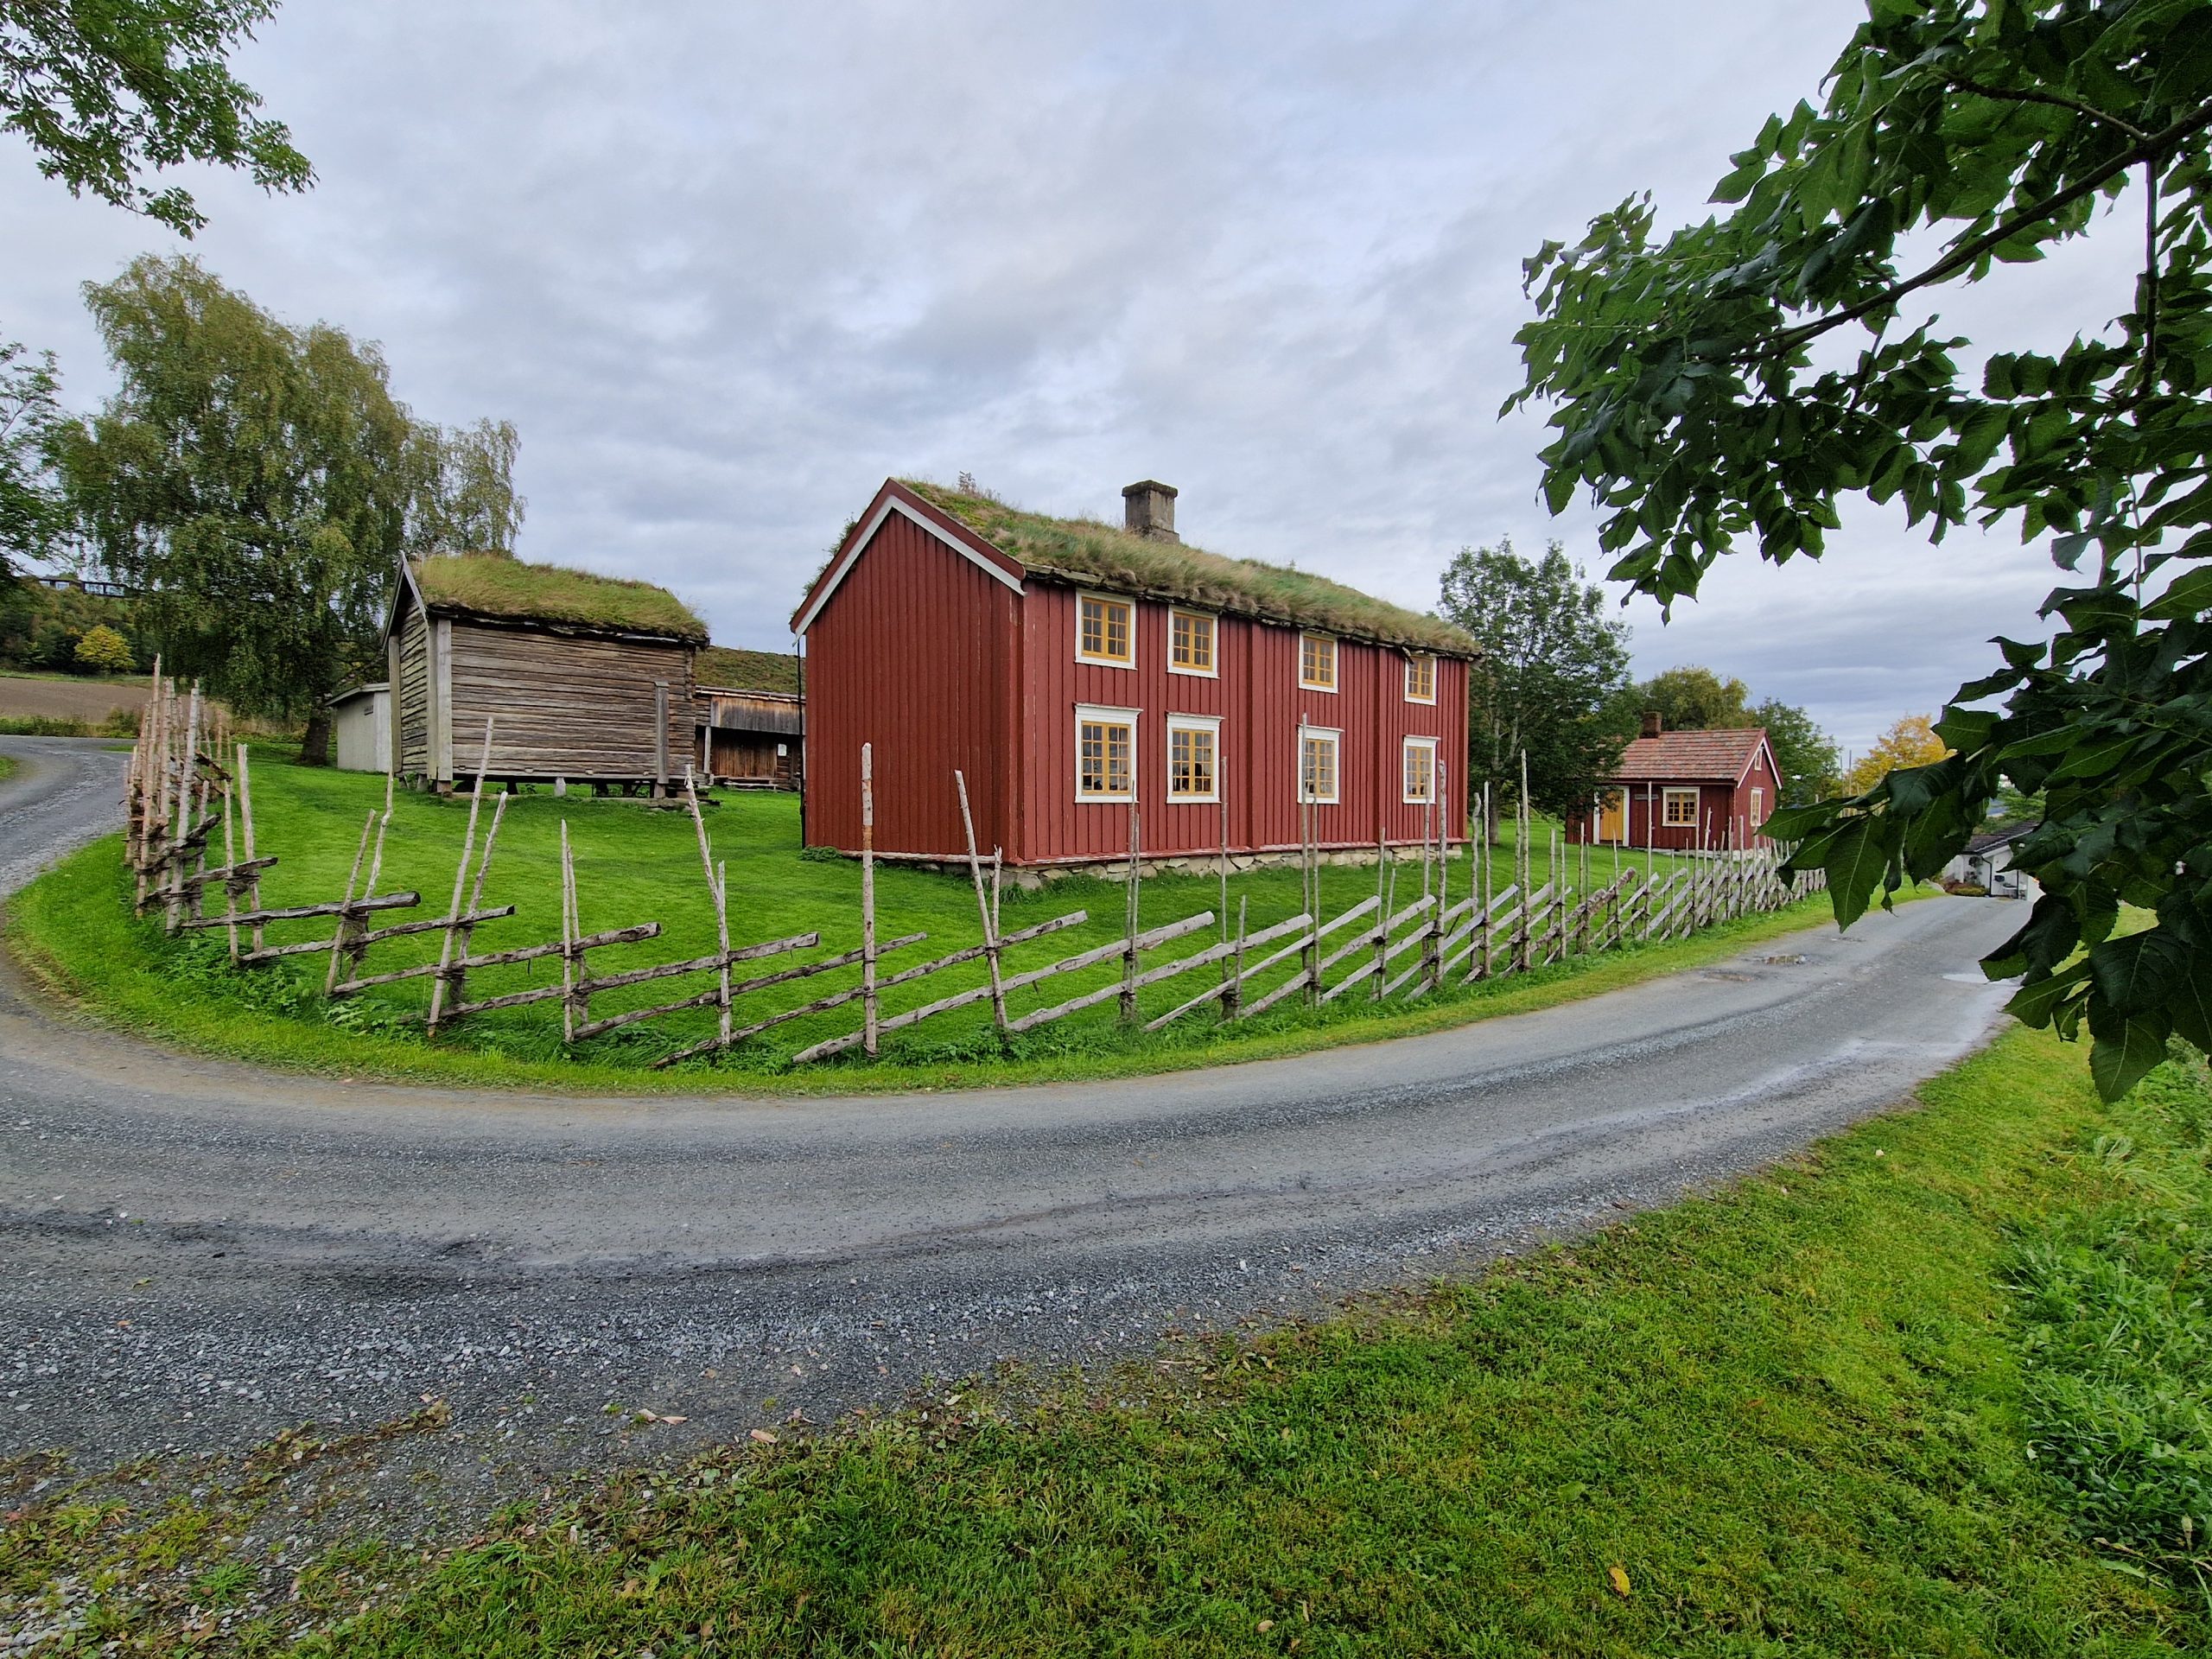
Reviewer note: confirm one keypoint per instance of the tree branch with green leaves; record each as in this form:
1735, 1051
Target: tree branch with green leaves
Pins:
1703, 391
107, 91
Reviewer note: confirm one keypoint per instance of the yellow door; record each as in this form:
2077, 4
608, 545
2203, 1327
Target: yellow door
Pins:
1612, 816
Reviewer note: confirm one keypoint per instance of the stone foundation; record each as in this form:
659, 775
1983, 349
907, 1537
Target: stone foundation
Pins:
1033, 877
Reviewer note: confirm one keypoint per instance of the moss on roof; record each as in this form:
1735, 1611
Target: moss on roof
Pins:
1089, 551
727, 668
492, 584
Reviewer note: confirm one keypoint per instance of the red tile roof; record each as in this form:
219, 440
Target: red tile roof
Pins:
1700, 757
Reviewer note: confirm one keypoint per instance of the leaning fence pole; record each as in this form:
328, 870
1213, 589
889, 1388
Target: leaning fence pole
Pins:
1128, 1000
570, 931
460, 882
230, 893
718, 890
245, 815
870, 1036
341, 936
1232, 992
181, 837
983, 905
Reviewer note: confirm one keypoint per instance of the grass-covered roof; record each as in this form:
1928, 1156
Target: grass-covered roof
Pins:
728, 667
1089, 551
494, 585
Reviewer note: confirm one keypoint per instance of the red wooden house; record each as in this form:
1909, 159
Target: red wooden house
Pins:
1069, 668
1686, 789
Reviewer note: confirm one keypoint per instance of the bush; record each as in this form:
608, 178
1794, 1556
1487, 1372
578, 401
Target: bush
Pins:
105, 652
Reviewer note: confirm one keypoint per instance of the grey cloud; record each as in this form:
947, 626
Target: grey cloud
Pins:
727, 267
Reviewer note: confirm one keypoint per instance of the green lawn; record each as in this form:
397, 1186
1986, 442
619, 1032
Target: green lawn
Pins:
1811, 1414
635, 864
6, 767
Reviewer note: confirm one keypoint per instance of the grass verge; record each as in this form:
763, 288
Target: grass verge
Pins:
1800, 1416
73, 928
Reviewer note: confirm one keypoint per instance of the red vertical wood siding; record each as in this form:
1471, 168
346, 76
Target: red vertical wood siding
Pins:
1256, 694
914, 654
940, 666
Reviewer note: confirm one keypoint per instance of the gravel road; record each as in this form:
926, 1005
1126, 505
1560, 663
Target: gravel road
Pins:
194, 1256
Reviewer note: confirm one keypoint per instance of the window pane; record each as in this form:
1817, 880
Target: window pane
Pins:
1419, 771
1318, 768
1105, 628
1191, 639
1102, 758
1317, 660
1189, 761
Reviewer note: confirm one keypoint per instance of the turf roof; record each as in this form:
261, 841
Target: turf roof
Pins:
493, 585
727, 668
1094, 553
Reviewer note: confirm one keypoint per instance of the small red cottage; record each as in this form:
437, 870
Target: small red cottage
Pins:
1070, 668
1686, 789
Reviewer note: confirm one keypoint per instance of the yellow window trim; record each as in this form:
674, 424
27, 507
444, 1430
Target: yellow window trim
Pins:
1212, 670
1336, 662
1128, 607
1088, 714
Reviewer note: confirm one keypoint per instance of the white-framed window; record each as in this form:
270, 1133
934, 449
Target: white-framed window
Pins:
1105, 754
1194, 643
1105, 630
1419, 767
1317, 751
1317, 662
1759, 808
1194, 758
1421, 677
1678, 808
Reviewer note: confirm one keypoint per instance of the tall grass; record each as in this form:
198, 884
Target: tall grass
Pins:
2115, 1327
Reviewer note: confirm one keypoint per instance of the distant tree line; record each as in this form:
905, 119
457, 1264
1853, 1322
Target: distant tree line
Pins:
1552, 685
252, 483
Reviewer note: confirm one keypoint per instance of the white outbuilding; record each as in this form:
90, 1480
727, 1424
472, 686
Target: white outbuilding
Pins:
361, 720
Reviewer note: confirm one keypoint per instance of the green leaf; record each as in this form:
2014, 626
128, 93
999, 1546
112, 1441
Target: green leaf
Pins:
2139, 971
2123, 1059
1856, 862
2189, 595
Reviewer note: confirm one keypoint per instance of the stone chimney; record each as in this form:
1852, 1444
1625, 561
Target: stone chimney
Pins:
1653, 725
1149, 510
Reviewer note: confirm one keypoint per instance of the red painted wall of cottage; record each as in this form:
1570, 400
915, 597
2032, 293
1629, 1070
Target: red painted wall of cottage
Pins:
914, 653
941, 666
1727, 815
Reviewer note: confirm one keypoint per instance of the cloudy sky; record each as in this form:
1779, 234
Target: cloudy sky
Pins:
729, 266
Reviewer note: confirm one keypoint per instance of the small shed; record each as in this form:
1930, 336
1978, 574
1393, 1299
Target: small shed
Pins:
1987, 863
1686, 790
361, 721
752, 718
586, 679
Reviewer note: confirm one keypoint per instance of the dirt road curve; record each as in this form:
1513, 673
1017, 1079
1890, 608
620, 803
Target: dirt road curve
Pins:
193, 1255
